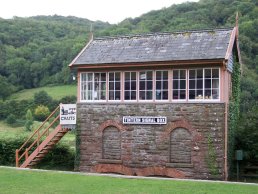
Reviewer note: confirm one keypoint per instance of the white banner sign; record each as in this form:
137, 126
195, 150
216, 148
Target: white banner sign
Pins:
67, 114
144, 120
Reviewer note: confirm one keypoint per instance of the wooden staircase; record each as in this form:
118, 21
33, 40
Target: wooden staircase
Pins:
40, 142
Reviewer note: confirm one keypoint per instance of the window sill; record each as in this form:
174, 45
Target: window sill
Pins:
179, 165
110, 161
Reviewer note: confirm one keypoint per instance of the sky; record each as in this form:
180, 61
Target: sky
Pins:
112, 11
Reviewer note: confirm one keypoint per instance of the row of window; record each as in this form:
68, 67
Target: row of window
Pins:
193, 84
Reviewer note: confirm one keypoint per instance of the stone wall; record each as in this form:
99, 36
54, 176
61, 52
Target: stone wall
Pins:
178, 149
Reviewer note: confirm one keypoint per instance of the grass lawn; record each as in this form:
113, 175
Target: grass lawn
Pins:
56, 92
18, 181
8, 131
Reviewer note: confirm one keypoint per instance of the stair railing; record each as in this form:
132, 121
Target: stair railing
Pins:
37, 135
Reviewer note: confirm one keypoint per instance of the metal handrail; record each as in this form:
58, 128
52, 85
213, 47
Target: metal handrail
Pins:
37, 134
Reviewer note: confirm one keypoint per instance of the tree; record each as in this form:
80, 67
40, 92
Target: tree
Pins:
41, 112
6, 89
42, 98
29, 120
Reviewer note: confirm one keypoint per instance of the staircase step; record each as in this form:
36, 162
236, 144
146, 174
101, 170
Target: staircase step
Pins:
32, 163
50, 141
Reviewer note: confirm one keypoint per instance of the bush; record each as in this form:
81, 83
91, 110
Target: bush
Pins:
42, 98
7, 149
11, 119
41, 112
60, 157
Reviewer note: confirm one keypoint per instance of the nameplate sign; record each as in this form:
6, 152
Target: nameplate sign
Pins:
68, 114
144, 120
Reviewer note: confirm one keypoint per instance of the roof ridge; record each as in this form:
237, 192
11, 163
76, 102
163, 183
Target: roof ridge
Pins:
164, 33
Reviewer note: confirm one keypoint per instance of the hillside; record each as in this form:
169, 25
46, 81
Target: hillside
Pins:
35, 51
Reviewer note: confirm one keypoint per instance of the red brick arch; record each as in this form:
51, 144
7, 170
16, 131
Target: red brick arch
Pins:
112, 123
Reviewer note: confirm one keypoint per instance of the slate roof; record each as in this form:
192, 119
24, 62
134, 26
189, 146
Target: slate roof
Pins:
187, 45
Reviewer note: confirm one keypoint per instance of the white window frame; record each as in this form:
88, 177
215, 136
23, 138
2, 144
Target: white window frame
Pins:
93, 87
146, 81
136, 89
114, 81
155, 85
203, 86
179, 89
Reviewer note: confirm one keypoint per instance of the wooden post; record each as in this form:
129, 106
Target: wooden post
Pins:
38, 141
26, 153
17, 157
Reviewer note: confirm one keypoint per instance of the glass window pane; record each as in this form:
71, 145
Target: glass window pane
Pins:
191, 94
165, 85
127, 76
175, 84
142, 95
182, 74
133, 95
215, 83
158, 94
207, 73
143, 76
192, 84
207, 83
111, 95
117, 85
215, 94
111, 76
142, 85
127, 95
133, 85
133, 75
103, 76
175, 74
158, 85
117, 95
215, 73
199, 73
182, 94
89, 77
207, 94
149, 85
199, 84
165, 75
158, 75
117, 76
127, 85
175, 94
111, 85
182, 84
149, 95
165, 95
149, 75
199, 94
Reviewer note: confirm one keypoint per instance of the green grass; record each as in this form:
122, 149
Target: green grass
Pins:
8, 131
56, 92
17, 181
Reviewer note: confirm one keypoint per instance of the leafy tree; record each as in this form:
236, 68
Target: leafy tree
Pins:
42, 98
29, 120
11, 119
6, 89
41, 112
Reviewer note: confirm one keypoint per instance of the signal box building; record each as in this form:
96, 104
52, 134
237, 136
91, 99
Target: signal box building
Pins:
156, 104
